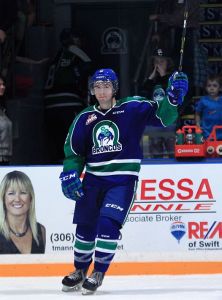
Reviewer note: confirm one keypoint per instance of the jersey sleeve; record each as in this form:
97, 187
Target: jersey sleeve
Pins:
75, 152
167, 112
155, 113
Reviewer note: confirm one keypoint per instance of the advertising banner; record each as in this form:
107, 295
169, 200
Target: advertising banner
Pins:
178, 211
177, 214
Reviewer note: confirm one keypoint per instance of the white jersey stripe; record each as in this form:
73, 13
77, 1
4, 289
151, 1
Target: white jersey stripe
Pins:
113, 173
124, 161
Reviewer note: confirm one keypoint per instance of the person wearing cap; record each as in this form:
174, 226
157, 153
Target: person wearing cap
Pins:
104, 139
160, 68
161, 140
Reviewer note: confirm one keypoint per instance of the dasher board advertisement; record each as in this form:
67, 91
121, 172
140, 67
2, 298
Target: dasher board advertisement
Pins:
177, 213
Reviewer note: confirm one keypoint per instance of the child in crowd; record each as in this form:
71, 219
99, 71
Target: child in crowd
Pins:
209, 107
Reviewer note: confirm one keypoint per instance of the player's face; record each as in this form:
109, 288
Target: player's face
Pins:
17, 201
213, 88
2, 87
104, 93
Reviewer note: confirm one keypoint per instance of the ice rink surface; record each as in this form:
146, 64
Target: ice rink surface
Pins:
192, 287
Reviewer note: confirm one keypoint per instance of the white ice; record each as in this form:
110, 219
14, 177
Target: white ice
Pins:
194, 287
189, 287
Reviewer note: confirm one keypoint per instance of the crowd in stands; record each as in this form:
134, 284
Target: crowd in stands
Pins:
66, 87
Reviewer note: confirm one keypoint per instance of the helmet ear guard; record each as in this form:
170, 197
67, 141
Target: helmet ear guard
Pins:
104, 75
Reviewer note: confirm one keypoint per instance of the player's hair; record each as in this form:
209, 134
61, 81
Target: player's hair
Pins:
15, 180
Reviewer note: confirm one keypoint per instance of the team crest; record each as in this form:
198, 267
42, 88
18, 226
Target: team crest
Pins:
158, 94
106, 138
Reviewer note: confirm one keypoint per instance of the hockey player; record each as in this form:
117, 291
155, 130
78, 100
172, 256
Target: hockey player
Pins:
105, 139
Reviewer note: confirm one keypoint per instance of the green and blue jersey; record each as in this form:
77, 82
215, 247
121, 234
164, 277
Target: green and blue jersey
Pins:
107, 143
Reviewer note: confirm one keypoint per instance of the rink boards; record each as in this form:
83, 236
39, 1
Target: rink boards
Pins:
174, 227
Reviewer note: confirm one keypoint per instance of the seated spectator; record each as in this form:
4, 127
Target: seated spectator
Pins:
209, 107
161, 140
5, 129
159, 71
66, 91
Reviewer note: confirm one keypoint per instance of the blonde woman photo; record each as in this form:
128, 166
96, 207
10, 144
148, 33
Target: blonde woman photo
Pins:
20, 233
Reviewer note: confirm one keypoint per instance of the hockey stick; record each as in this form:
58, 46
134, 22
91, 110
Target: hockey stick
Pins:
183, 35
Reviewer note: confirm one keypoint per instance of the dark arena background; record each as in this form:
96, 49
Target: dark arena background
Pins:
171, 244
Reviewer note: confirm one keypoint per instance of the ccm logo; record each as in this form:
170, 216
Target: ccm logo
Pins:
114, 206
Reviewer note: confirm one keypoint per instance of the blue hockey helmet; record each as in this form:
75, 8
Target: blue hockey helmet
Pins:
104, 75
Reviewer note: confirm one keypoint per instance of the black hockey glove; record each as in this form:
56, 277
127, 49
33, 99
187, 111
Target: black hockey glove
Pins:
71, 185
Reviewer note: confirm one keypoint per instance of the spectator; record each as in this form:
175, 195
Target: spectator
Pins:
66, 90
20, 233
5, 129
209, 107
159, 71
161, 140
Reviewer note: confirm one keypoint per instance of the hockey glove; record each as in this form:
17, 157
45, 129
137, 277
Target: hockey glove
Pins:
178, 87
71, 185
